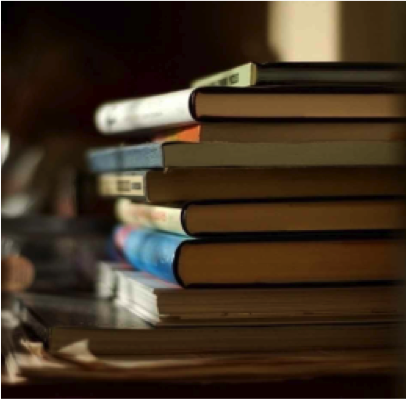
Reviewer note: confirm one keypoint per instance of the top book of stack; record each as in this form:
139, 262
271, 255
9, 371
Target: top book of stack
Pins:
313, 73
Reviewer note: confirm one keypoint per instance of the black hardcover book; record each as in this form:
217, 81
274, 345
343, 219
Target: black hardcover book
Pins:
329, 73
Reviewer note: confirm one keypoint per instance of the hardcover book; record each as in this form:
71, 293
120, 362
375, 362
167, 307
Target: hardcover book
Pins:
187, 107
278, 259
114, 330
165, 304
251, 217
194, 155
289, 131
181, 185
341, 73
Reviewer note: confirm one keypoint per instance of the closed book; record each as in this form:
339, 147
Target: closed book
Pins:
180, 185
257, 74
201, 155
105, 279
113, 330
288, 131
166, 304
248, 217
187, 107
278, 259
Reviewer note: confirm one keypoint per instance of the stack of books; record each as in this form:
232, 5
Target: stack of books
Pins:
258, 218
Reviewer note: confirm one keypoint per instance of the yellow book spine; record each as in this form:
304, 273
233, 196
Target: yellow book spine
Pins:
241, 76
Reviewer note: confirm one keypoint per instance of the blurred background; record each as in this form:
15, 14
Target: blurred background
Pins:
61, 60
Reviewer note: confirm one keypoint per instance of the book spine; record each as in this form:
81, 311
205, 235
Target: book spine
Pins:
152, 251
242, 76
127, 185
150, 216
165, 110
191, 135
100, 161
123, 289
106, 278
148, 156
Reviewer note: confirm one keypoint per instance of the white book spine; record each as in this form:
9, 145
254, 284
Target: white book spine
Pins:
159, 111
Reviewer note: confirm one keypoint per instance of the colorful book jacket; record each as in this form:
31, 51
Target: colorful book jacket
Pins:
189, 134
158, 253
155, 217
151, 251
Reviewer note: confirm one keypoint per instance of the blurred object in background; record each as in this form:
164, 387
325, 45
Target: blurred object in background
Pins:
42, 179
5, 145
75, 194
20, 195
17, 272
65, 252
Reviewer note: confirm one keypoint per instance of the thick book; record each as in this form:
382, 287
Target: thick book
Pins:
207, 155
179, 185
114, 330
278, 259
166, 304
248, 217
288, 131
187, 107
342, 73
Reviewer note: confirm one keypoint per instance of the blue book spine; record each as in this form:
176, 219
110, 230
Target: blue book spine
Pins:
100, 161
154, 252
144, 156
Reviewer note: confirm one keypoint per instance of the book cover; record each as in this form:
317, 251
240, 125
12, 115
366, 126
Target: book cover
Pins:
187, 107
174, 185
287, 131
191, 155
211, 218
165, 304
252, 74
114, 330
276, 259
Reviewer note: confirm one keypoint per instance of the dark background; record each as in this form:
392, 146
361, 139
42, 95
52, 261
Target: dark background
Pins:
62, 59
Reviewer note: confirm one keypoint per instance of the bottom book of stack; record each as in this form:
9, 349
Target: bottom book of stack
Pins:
269, 320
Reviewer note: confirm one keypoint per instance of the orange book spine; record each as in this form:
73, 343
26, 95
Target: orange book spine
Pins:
190, 134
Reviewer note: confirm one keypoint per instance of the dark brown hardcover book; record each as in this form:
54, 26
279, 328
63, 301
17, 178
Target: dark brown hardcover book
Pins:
178, 185
247, 217
187, 107
112, 330
166, 304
